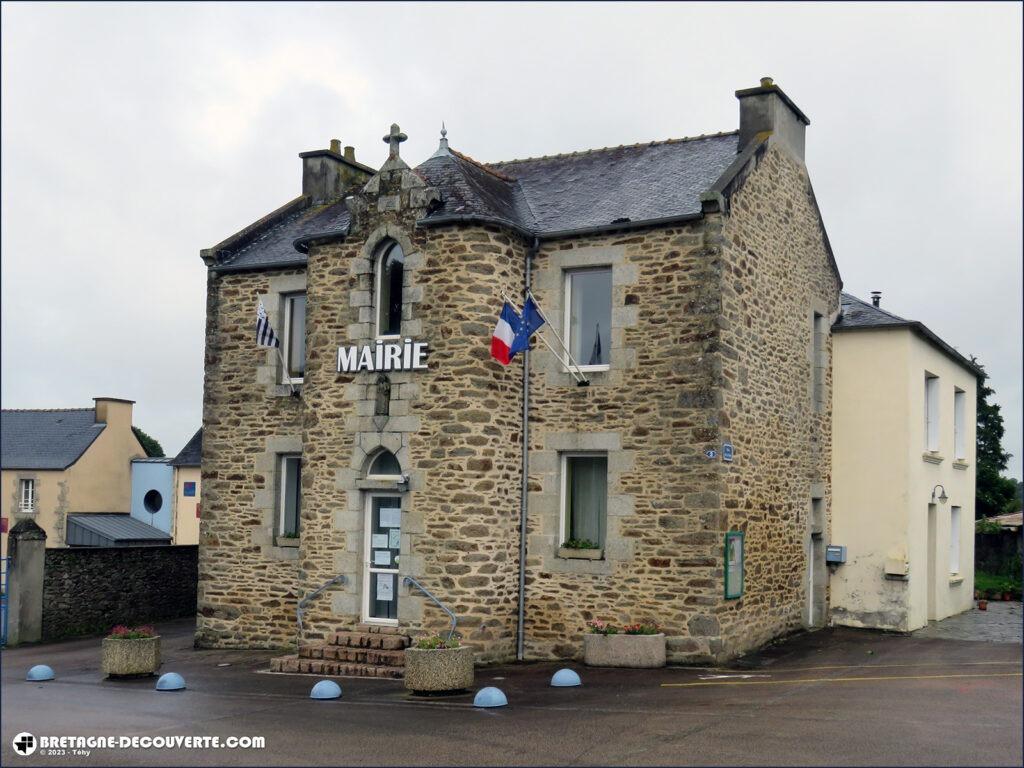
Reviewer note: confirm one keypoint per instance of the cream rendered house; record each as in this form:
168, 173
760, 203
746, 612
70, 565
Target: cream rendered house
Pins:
187, 491
68, 465
903, 469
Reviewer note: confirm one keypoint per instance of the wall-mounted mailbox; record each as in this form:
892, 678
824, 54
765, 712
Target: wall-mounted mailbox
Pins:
835, 553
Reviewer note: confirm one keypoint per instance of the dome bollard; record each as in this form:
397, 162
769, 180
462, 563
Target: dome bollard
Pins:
39, 673
170, 681
565, 678
325, 689
489, 697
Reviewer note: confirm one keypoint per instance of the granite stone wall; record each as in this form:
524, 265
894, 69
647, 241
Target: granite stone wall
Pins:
89, 590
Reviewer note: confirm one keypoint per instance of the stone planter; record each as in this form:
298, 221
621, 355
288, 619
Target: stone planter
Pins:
641, 651
442, 669
131, 658
568, 553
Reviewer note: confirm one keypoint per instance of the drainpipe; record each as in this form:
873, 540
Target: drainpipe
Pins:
524, 490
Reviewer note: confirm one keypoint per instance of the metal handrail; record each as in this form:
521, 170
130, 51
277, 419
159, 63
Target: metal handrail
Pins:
410, 580
339, 579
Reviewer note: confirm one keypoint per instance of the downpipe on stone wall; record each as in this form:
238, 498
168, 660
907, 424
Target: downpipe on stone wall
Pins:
524, 490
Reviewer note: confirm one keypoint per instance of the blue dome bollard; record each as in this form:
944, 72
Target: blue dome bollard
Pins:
326, 689
565, 678
489, 697
170, 681
39, 673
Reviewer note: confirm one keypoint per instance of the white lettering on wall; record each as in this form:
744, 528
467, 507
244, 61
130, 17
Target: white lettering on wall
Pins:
382, 356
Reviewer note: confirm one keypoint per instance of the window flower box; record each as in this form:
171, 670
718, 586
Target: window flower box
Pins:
438, 669
572, 553
636, 651
126, 654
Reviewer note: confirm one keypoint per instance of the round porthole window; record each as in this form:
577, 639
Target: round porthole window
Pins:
152, 501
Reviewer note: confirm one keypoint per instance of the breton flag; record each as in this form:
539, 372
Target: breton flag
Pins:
513, 331
265, 335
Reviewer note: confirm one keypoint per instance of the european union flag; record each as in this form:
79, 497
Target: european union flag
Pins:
529, 321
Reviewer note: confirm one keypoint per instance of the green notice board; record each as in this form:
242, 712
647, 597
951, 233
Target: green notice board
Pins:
733, 564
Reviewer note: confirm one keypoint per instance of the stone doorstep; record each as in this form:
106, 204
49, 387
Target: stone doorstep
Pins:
295, 665
377, 629
387, 642
391, 658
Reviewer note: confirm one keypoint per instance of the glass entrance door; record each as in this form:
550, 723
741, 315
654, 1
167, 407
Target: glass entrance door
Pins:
383, 543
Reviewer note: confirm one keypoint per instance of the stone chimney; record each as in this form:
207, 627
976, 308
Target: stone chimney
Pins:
767, 109
328, 174
109, 409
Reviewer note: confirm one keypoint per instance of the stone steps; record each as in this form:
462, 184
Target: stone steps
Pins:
366, 651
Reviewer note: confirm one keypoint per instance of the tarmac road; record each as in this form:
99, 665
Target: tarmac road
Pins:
834, 697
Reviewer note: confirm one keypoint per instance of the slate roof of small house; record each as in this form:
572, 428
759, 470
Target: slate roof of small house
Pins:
191, 454
111, 528
46, 439
859, 315
542, 196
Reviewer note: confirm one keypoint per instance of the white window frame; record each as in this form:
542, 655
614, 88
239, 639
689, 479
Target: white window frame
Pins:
286, 342
931, 412
959, 423
389, 478
282, 481
563, 508
567, 322
382, 250
27, 494
955, 523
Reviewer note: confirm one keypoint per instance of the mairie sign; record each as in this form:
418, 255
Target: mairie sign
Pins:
408, 355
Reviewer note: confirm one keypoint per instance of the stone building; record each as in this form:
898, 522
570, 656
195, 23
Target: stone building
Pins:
694, 280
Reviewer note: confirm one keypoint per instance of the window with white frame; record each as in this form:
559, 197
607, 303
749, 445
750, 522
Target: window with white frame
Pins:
389, 278
931, 412
289, 506
819, 333
959, 424
954, 539
295, 336
584, 499
588, 316
27, 495
385, 466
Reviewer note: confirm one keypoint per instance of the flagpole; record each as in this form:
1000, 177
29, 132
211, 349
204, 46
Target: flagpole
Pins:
576, 374
284, 369
568, 354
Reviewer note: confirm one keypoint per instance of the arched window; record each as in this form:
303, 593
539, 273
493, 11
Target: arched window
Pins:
385, 464
390, 273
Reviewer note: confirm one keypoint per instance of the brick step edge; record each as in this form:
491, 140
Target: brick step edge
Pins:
294, 664
385, 642
358, 655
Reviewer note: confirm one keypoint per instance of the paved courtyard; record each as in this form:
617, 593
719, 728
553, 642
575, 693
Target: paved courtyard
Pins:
834, 697
1003, 622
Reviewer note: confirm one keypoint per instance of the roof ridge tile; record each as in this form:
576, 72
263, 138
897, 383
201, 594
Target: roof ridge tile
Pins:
482, 166
653, 143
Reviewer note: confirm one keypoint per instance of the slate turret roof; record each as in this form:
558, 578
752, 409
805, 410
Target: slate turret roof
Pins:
858, 315
547, 196
191, 455
46, 439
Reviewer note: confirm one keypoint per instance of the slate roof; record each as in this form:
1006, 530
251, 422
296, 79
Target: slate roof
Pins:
543, 196
49, 439
111, 528
191, 454
858, 315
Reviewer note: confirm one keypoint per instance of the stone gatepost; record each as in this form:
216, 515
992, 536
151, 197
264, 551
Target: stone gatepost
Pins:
26, 546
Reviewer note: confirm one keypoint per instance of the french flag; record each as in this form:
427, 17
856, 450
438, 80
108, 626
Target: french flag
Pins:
504, 333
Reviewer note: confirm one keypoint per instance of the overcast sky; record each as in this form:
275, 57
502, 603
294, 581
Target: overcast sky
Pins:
133, 136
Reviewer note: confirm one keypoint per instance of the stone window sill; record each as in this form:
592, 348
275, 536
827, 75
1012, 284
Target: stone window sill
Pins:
957, 464
285, 541
956, 579
283, 390
932, 457
567, 553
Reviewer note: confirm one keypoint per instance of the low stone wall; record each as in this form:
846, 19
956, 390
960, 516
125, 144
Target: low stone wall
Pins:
88, 591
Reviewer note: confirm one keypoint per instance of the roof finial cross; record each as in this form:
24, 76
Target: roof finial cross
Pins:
393, 139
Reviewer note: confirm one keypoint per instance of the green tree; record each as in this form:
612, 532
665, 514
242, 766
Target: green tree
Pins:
152, 447
994, 494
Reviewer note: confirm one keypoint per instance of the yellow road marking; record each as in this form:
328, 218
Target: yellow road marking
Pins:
835, 680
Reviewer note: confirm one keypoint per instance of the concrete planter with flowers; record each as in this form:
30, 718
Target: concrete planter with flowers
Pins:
437, 665
638, 646
131, 652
